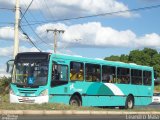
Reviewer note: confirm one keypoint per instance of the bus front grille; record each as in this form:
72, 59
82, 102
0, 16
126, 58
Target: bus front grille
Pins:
27, 91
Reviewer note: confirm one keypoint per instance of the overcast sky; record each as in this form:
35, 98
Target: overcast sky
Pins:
95, 37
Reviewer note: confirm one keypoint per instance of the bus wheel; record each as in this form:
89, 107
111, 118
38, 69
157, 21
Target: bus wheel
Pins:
129, 102
75, 101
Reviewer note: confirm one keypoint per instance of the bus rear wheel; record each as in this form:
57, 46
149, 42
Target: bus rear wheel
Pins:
129, 102
75, 101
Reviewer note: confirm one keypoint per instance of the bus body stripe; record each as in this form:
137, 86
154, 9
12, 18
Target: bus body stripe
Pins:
114, 89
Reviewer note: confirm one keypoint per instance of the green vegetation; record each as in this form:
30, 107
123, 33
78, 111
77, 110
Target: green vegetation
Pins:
147, 56
4, 85
157, 88
5, 105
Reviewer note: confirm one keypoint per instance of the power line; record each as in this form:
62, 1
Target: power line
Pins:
48, 8
30, 40
32, 17
7, 9
96, 15
26, 11
35, 18
10, 23
30, 13
40, 11
35, 32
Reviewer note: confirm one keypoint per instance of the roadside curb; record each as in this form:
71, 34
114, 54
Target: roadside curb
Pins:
72, 112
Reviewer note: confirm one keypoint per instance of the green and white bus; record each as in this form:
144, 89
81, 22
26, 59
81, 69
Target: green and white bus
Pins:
40, 77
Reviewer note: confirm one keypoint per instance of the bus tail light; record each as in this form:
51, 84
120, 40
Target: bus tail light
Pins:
44, 93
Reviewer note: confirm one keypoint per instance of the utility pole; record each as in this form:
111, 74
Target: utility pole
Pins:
55, 31
16, 29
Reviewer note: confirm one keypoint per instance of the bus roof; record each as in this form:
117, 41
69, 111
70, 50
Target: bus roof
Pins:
99, 61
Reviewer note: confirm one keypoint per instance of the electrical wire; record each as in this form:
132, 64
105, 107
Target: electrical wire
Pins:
10, 23
26, 11
30, 40
96, 15
35, 32
44, 1
7, 9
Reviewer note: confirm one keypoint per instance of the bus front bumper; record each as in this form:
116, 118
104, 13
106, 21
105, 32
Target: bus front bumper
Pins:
37, 100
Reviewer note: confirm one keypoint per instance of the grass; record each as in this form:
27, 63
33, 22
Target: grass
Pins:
157, 88
5, 105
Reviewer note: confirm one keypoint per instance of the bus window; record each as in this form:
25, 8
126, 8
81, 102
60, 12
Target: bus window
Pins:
108, 74
76, 71
59, 73
123, 75
92, 72
136, 77
147, 77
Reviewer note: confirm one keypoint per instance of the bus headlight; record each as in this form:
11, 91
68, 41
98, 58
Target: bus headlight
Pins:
44, 93
11, 92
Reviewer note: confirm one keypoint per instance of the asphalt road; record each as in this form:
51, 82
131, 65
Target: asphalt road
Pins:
152, 105
86, 117
71, 117
81, 117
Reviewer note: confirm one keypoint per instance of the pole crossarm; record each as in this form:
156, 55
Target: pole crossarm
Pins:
55, 31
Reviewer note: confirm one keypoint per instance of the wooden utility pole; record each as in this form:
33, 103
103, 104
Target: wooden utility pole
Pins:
16, 29
55, 31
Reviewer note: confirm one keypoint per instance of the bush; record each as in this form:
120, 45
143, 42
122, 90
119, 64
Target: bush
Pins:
4, 85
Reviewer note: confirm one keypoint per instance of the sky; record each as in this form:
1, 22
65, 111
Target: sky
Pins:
93, 37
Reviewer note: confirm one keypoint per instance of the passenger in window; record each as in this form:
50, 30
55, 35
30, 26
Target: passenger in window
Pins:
55, 74
80, 75
106, 78
73, 74
96, 76
123, 80
42, 73
88, 77
118, 80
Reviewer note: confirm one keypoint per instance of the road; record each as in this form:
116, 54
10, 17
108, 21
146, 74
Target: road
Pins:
71, 117
151, 106
81, 117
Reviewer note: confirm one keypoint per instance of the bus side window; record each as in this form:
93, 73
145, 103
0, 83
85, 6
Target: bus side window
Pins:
108, 74
123, 75
147, 77
92, 72
76, 71
136, 76
55, 74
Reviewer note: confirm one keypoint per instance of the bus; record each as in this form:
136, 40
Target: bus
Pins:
39, 77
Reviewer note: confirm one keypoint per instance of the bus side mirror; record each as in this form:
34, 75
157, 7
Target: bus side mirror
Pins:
10, 64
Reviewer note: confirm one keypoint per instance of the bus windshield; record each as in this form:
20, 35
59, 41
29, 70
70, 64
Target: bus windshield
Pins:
31, 73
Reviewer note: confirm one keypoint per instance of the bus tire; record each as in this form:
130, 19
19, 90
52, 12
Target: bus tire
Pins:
75, 101
129, 104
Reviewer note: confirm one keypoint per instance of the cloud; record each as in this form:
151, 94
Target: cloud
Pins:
149, 40
62, 8
8, 51
7, 33
93, 34
3, 71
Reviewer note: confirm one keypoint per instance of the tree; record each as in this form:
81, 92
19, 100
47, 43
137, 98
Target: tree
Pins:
147, 56
124, 58
113, 58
